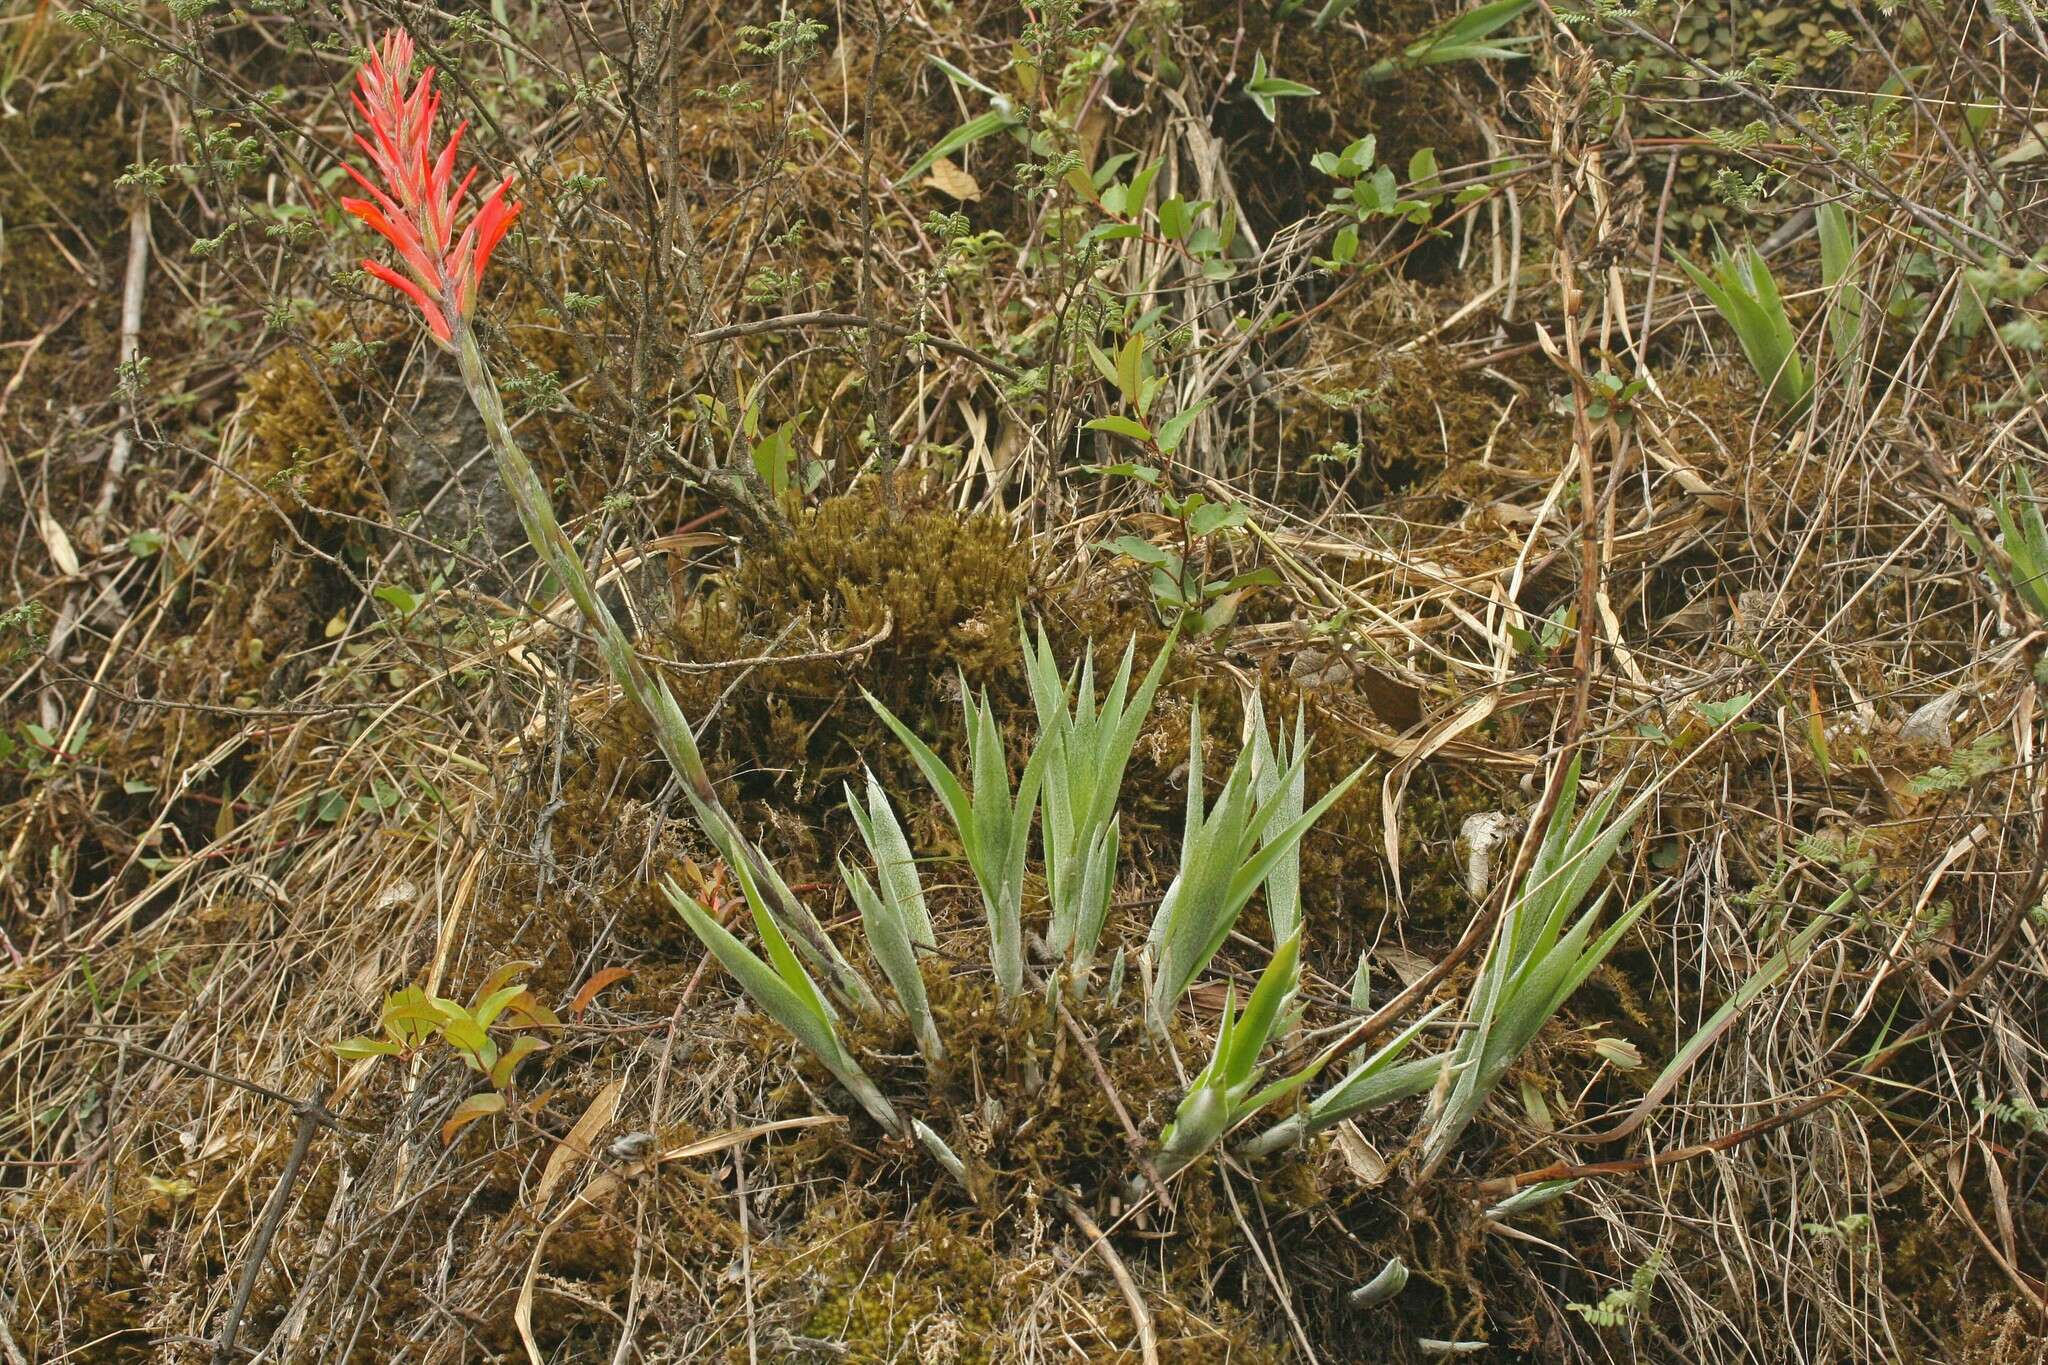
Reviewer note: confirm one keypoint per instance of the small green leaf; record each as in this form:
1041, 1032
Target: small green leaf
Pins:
1143, 473
1175, 427
1121, 426
1264, 88
401, 600
1173, 219
358, 1047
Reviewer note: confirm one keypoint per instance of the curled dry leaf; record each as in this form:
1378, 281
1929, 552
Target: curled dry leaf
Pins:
587, 992
948, 179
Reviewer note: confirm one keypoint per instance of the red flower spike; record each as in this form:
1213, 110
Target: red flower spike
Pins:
417, 205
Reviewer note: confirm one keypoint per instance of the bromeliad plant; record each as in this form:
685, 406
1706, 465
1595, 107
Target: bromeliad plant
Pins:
1087, 749
1227, 852
1075, 773
1246, 841
416, 204
993, 822
1221, 1097
1745, 293
1535, 961
786, 992
2022, 563
898, 925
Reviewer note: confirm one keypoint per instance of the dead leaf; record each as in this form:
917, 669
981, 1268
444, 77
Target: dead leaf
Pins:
1410, 967
1360, 1156
948, 179
573, 1149
61, 553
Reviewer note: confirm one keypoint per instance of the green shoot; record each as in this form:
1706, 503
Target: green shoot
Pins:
1002, 116
897, 923
1226, 853
1086, 750
783, 990
1465, 38
1535, 961
1221, 1097
1380, 1080
1838, 246
1264, 88
1744, 292
411, 1019
994, 824
2024, 539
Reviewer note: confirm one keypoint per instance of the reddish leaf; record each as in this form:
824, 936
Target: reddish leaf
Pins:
477, 1106
587, 992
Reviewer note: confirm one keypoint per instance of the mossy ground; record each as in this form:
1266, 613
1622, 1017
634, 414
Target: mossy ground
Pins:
278, 818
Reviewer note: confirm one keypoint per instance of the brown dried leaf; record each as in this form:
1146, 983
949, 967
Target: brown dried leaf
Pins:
948, 179
477, 1106
571, 1151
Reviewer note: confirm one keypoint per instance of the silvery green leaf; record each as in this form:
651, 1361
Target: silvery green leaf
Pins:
1391, 1280
895, 864
1281, 785
1380, 1080
996, 120
932, 766
1539, 956
791, 1001
1097, 886
936, 1145
1361, 984
1198, 1124
1373, 1087
1534, 1197
889, 938
1261, 1013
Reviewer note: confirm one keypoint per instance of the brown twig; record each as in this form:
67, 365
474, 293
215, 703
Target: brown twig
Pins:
273, 1213
1098, 1242
1141, 1150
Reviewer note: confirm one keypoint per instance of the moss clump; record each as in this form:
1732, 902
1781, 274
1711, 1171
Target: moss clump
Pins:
880, 1291
300, 478
301, 454
909, 596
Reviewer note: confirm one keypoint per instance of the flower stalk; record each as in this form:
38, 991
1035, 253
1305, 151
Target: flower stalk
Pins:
415, 209
643, 687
